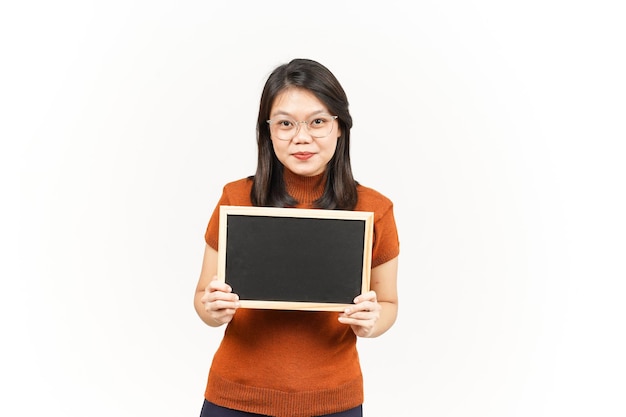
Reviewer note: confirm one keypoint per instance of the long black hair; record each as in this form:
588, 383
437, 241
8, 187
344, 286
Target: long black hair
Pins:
268, 187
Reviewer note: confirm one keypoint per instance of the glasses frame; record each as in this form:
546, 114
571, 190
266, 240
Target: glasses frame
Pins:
306, 123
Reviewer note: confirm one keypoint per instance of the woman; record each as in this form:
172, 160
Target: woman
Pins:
298, 363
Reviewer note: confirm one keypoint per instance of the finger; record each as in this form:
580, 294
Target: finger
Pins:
359, 319
364, 306
368, 296
219, 286
225, 317
363, 315
217, 296
223, 305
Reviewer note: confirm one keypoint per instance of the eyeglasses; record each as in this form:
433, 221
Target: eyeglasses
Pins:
284, 128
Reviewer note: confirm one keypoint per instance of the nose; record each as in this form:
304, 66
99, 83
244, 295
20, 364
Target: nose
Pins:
302, 135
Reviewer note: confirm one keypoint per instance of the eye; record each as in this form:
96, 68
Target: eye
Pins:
318, 122
284, 124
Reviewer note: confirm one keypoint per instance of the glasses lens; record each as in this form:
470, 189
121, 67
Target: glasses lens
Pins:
320, 126
283, 129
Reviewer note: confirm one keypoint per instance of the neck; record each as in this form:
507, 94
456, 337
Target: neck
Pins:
304, 189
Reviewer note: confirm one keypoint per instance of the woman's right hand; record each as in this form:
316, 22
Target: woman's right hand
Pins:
220, 302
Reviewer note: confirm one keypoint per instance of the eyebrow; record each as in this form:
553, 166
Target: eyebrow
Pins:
284, 113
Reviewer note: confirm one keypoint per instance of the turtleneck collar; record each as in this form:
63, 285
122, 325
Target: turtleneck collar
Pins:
304, 189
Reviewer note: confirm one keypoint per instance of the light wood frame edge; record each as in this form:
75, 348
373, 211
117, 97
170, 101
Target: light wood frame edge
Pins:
366, 216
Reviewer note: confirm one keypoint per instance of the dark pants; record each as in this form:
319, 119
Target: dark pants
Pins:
212, 410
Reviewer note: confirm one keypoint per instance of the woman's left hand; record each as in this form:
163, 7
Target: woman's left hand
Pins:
363, 315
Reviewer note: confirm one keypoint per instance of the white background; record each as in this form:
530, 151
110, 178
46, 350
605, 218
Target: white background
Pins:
496, 127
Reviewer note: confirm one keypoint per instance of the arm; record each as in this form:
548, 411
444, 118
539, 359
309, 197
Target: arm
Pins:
214, 301
375, 311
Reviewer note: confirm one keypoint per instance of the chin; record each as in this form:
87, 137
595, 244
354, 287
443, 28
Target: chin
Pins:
303, 170
306, 172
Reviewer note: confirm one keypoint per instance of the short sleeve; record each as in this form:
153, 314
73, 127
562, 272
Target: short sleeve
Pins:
211, 235
386, 244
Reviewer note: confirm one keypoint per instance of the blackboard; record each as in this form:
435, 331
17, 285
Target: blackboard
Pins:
295, 259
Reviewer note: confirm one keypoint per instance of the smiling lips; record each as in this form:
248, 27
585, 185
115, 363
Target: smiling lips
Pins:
303, 156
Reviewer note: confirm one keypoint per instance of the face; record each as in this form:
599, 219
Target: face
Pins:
304, 154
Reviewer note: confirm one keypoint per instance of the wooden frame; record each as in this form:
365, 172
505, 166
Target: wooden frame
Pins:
295, 259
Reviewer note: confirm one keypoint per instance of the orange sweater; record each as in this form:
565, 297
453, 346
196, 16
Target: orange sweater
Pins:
293, 363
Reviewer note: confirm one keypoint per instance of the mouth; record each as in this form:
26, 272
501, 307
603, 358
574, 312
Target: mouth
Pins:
303, 156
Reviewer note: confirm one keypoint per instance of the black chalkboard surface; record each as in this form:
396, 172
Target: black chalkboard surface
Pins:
295, 259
